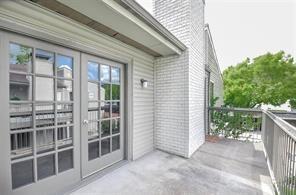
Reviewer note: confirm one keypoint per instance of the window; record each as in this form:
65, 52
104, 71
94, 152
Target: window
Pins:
104, 95
41, 109
211, 90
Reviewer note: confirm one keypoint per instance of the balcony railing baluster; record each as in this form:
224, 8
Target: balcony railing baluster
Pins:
277, 135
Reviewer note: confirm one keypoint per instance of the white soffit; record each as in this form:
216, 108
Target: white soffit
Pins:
113, 15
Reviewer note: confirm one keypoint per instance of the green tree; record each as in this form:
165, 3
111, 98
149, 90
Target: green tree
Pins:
268, 79
24, 56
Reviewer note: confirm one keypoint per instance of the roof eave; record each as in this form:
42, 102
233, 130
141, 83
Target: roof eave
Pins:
145, 16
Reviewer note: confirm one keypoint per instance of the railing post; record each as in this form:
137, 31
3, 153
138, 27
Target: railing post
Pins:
209, 121
263, 128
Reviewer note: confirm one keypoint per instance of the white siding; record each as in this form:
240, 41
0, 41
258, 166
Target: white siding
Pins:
143, 105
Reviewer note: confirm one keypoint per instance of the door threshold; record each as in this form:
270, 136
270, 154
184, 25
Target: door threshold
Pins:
95, 176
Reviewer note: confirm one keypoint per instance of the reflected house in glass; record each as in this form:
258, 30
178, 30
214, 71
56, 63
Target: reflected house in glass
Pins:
21, 114
20, 87
75, 103
64, 87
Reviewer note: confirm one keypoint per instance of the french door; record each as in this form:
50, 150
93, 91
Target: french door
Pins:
40, 90
102, 93
62, 115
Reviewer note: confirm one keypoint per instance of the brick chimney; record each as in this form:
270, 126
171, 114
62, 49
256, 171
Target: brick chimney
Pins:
180, 80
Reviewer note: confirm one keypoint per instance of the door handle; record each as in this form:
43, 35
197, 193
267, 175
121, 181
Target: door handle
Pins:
85, 122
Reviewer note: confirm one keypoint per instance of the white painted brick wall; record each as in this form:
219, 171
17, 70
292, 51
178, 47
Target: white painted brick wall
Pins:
175, 16
196, 77
179, 98
171, 113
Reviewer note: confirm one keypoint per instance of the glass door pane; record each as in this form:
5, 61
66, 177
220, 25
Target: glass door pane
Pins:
102, 144
41, 113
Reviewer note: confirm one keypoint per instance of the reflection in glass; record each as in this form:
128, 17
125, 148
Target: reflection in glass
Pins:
21, 116
93, 130
115, 75
93, 91
105, 128
64, 90
45, 140
20, 87
93, 111
105, 110
44, 89
22, 173
44, 62
93, 71
115, 143
93, 150
93, 104
45, 166
44, 115
65, 160
115, 92
21, 144
64, 66
105, 73
105, 92
65, 137
20, 58
115, 126
115, 109
64, 114
105, 146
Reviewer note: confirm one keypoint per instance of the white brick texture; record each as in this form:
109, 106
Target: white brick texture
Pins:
179, 80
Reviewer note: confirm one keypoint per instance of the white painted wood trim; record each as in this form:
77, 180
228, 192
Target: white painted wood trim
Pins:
122, 11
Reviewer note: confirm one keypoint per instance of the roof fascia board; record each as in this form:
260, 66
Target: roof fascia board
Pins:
119, 9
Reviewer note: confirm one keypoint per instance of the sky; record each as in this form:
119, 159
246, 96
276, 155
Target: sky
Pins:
248, 28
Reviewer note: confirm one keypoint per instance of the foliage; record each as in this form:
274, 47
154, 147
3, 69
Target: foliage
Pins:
288, 185
268, 79
233, 124
24, 56
293, 103
213, 101
115, 92
15, 99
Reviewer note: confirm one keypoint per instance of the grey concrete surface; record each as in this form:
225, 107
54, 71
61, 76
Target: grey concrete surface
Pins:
226, 167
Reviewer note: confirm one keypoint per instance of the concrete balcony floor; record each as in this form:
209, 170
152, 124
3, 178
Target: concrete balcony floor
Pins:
221, 167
